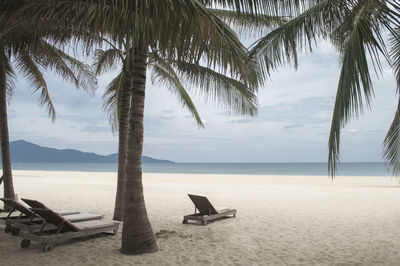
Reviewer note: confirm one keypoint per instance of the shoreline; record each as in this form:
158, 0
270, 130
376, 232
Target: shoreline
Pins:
222, 175
273, 169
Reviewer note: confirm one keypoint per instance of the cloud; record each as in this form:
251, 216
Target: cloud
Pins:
292, 126
293, 122
243, 121
312, 110
170, 111
96, 129
167, 116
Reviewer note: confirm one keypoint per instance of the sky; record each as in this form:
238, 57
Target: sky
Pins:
295, 109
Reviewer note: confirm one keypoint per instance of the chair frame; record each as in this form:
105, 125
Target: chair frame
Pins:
47, 238
211, 214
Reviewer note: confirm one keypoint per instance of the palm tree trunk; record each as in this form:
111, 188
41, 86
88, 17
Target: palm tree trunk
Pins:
137, 234
123, 142
4, 139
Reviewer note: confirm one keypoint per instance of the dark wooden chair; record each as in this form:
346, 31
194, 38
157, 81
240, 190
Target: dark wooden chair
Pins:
64, 230
25, 215
204, 211
29, 221
38, 205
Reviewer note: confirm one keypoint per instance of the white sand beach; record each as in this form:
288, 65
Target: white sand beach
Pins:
281, 220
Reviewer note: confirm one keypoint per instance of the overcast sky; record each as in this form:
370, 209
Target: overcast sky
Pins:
292, 125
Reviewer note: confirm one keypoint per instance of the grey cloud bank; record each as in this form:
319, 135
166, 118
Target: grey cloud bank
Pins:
292, 124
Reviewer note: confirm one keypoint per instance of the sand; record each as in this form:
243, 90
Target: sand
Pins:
281, 220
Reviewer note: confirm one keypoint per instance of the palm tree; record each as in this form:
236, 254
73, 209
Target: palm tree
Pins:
169, 72
172, 28
117, 96
116, 99
180, 29
23, 47
357, 29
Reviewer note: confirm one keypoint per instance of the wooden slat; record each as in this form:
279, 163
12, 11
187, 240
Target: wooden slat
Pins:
42, 238
205, 218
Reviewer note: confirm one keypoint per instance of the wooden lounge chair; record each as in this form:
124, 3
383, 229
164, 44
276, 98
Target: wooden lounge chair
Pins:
39, 205
29, 221
64, 230
206, 211
26, 215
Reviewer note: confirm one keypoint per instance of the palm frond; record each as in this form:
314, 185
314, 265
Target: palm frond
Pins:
10, 77
395, 54
69, 68
111, 102
391, 144
36, 80
106, 60
173, 27
283, 43
358, 39
217, 88
249, 24
163, 73
271, 7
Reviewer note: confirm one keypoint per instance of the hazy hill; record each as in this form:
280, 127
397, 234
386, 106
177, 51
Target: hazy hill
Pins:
23, 151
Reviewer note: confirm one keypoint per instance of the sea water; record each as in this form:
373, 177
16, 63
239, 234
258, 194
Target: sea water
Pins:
311, 169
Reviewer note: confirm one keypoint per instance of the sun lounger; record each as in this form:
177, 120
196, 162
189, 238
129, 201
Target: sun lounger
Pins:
31, 222
64, 230
26, 215
39, 205
206, 211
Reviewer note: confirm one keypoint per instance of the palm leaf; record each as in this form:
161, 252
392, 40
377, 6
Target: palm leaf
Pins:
36, 80
69, 68
111, 99
395, 54
249, 24
106, 60
171, 27
271, 7
391, 145
218, 88
10, 77
358, 39
283, 43
163, 73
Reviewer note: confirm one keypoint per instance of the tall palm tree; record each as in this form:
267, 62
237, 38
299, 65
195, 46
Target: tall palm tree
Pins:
172, 28
185, 30
116, 100
357, 29
117, 96
24, 47
169, 71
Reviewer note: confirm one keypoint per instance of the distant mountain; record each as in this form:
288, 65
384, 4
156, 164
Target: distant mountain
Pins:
26, 152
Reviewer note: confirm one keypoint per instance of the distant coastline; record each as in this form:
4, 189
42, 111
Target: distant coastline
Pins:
273, 169
25, 152
29, 156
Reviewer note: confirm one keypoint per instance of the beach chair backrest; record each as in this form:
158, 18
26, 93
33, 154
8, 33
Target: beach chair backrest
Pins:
203, 204
34, 203
54, 218
18, 206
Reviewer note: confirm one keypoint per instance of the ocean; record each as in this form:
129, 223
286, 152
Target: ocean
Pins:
304, 169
